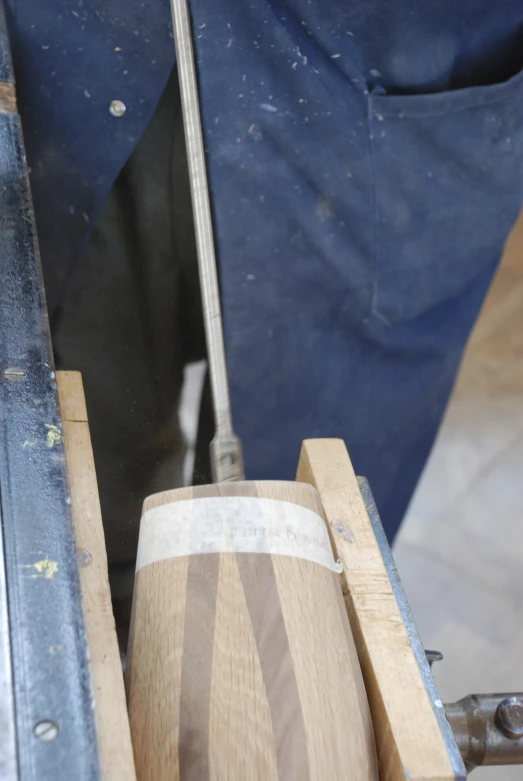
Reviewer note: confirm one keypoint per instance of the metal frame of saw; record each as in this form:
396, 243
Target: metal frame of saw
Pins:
47, 730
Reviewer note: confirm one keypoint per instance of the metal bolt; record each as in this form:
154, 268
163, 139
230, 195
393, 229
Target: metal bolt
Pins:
340, 528
46, 731
117, 108
509, 717
433, 656
83, 557
14, 374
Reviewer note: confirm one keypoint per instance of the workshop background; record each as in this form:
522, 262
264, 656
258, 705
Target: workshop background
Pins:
460, 551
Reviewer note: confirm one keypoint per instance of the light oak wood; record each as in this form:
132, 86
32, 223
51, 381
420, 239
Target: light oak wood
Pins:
112, 722
409, 742
242, 666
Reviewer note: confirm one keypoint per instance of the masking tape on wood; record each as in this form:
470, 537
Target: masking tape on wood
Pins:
234, 524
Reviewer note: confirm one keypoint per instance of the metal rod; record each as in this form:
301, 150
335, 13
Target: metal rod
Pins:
488, 728
226, 453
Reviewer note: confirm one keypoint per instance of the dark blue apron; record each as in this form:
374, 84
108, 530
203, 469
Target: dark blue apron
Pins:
362, 196
366, 166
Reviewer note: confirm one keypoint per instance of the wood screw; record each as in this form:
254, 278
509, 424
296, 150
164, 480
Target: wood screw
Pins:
83, 557
46, 731
14, 374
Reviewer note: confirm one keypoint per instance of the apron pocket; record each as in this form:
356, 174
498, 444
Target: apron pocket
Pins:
448, 187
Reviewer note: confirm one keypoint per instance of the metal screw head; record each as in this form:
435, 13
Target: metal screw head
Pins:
14, 374
340, 528
509, 717
46, 731
433, 656
117, 108
83, 557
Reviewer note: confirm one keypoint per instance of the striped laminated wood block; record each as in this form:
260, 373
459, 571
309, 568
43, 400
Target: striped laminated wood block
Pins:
242, 664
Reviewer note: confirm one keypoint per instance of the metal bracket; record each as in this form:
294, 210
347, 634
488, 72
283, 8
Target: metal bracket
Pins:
458, 766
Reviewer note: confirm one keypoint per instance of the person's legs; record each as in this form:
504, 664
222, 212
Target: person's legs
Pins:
366, 166
130, 320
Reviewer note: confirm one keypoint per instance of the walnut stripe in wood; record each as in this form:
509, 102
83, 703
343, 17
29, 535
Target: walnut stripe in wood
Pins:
286, 700
264, 605
263, 602
242, 738
198, 649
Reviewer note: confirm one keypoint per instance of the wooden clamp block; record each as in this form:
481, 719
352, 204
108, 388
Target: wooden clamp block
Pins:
413, 738
112, 723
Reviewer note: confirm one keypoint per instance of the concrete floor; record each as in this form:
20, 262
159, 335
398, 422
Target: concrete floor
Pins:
460, 552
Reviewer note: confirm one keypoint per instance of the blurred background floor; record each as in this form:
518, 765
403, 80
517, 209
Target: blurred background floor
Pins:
460, 550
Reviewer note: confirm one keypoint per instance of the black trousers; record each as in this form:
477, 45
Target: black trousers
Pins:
130, 321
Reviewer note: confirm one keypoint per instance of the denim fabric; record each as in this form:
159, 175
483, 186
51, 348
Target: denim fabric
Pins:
365, 161
72, 58
360, 210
